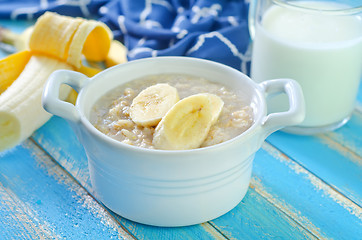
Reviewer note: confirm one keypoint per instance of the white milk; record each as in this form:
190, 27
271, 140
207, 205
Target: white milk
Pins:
323, 53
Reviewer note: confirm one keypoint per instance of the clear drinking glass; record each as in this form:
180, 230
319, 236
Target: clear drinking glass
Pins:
317, 43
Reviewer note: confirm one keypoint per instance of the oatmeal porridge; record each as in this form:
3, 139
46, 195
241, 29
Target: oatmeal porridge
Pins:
119, 114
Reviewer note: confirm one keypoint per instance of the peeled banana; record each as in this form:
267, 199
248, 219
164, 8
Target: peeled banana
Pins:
20, 105
151, 104
56, 42
21, 43
187, 123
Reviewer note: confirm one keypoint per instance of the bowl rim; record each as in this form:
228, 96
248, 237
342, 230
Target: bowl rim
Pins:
254, 128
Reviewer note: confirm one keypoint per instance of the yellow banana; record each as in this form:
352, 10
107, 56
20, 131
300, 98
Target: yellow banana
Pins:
56, 42
21, 43
21, 111
117, 53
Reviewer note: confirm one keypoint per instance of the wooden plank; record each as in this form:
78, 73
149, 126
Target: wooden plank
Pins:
40, 200
194, 232
256, 218
253, 218
350, 136
310, 201
333, 162
265, 220
17, 219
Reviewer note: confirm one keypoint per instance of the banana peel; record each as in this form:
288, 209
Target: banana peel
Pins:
11, 67
55, 42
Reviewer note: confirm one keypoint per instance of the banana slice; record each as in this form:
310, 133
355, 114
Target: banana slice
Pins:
151, 104
187, 123
117, 54
217, 105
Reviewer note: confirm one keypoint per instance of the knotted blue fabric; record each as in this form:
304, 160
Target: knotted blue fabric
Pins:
32, 9
210, 29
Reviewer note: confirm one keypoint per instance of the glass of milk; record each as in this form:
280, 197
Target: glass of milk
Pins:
317, 43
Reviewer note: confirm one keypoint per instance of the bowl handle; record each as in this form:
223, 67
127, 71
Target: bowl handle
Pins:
296, 112
50, 100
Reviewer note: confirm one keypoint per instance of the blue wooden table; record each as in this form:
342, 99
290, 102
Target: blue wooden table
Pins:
302, 187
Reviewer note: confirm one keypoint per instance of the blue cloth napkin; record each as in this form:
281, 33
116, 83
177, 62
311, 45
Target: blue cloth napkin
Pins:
210, 29
32, 9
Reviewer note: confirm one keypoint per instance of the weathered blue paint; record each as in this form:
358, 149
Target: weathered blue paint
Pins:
305, 197
46, 200
334, 164
350, 135
57, 138
256, 218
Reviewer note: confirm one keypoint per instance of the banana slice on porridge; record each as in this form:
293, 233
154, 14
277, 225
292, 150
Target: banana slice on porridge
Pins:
151, 104
187, 123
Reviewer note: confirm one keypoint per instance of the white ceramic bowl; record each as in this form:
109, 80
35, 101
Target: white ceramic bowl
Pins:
171, 188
